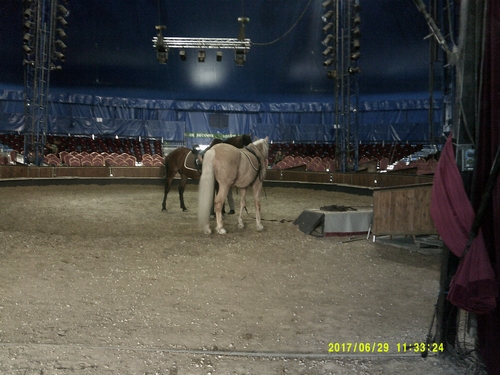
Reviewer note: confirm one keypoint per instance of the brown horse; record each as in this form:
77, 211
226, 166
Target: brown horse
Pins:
231, 167
182, 161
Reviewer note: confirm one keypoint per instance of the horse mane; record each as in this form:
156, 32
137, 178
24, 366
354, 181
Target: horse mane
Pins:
264, 143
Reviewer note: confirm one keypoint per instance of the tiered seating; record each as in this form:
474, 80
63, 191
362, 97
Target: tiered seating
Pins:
385, 154
93, 151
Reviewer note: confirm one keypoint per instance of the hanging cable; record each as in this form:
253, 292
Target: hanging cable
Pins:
288, 31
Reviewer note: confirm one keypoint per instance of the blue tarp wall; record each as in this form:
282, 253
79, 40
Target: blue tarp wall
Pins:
189, 121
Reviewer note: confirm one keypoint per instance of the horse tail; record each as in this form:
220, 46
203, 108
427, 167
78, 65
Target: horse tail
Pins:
206, 189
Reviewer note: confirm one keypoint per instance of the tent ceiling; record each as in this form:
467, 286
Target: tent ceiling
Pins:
109, 50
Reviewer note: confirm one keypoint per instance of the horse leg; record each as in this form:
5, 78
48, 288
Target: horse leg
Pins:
218, 203
243, 195
168, 183
182, 185
256, 196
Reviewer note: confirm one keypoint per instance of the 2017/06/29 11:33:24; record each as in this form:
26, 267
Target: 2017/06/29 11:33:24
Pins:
383, 347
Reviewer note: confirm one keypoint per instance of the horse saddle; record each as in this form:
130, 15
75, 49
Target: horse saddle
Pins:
198, 157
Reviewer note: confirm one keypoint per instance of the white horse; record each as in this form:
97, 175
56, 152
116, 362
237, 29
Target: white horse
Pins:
231, 166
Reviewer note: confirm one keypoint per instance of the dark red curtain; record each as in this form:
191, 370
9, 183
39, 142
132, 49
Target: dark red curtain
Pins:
473, 287
488, 143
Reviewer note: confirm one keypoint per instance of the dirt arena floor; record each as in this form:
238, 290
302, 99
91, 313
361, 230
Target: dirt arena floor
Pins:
96, 279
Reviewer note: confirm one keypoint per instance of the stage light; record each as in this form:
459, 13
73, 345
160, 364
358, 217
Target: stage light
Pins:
327, 15
240, 45
60, 44
61, 33
327, 27
162, 57
328, 62
240, 57
64, 12
27, 25
161, 49
201, 56
60, 56
353, 70
327, 3
62, 21
331, 74
28, 13
356, 20
356, 44
27, 49
327, 40
327, 51
27, 38
355, 55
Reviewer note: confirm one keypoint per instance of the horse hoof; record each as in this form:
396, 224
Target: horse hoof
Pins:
259, 228
241, 225
208, 230
221, 231
231, 212
184, 209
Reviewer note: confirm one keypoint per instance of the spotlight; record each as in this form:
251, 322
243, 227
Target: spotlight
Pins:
60, 56
327, 27
327, 40
355, 55
219, 56
60, 44
62, 21
28, 62
55, 67
27, 49
356, 32
27, 25
61, 33
328, 62
27, 37
201, 55
356, 44
182, 55
327, 15
28, 13
357, 20
63, 10
331, 74
240, 57
162, 57
353, 70
327, 51
327, 3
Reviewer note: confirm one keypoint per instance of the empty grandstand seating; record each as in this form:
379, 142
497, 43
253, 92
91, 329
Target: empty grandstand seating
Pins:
91, 151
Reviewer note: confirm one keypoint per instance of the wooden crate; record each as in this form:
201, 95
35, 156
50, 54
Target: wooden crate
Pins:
403, 211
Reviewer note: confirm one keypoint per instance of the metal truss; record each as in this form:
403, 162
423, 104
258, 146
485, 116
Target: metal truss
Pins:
40, 18
342, 55
204, 43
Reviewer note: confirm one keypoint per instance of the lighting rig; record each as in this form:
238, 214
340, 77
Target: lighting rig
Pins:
240, 45
341, 26
44, 22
